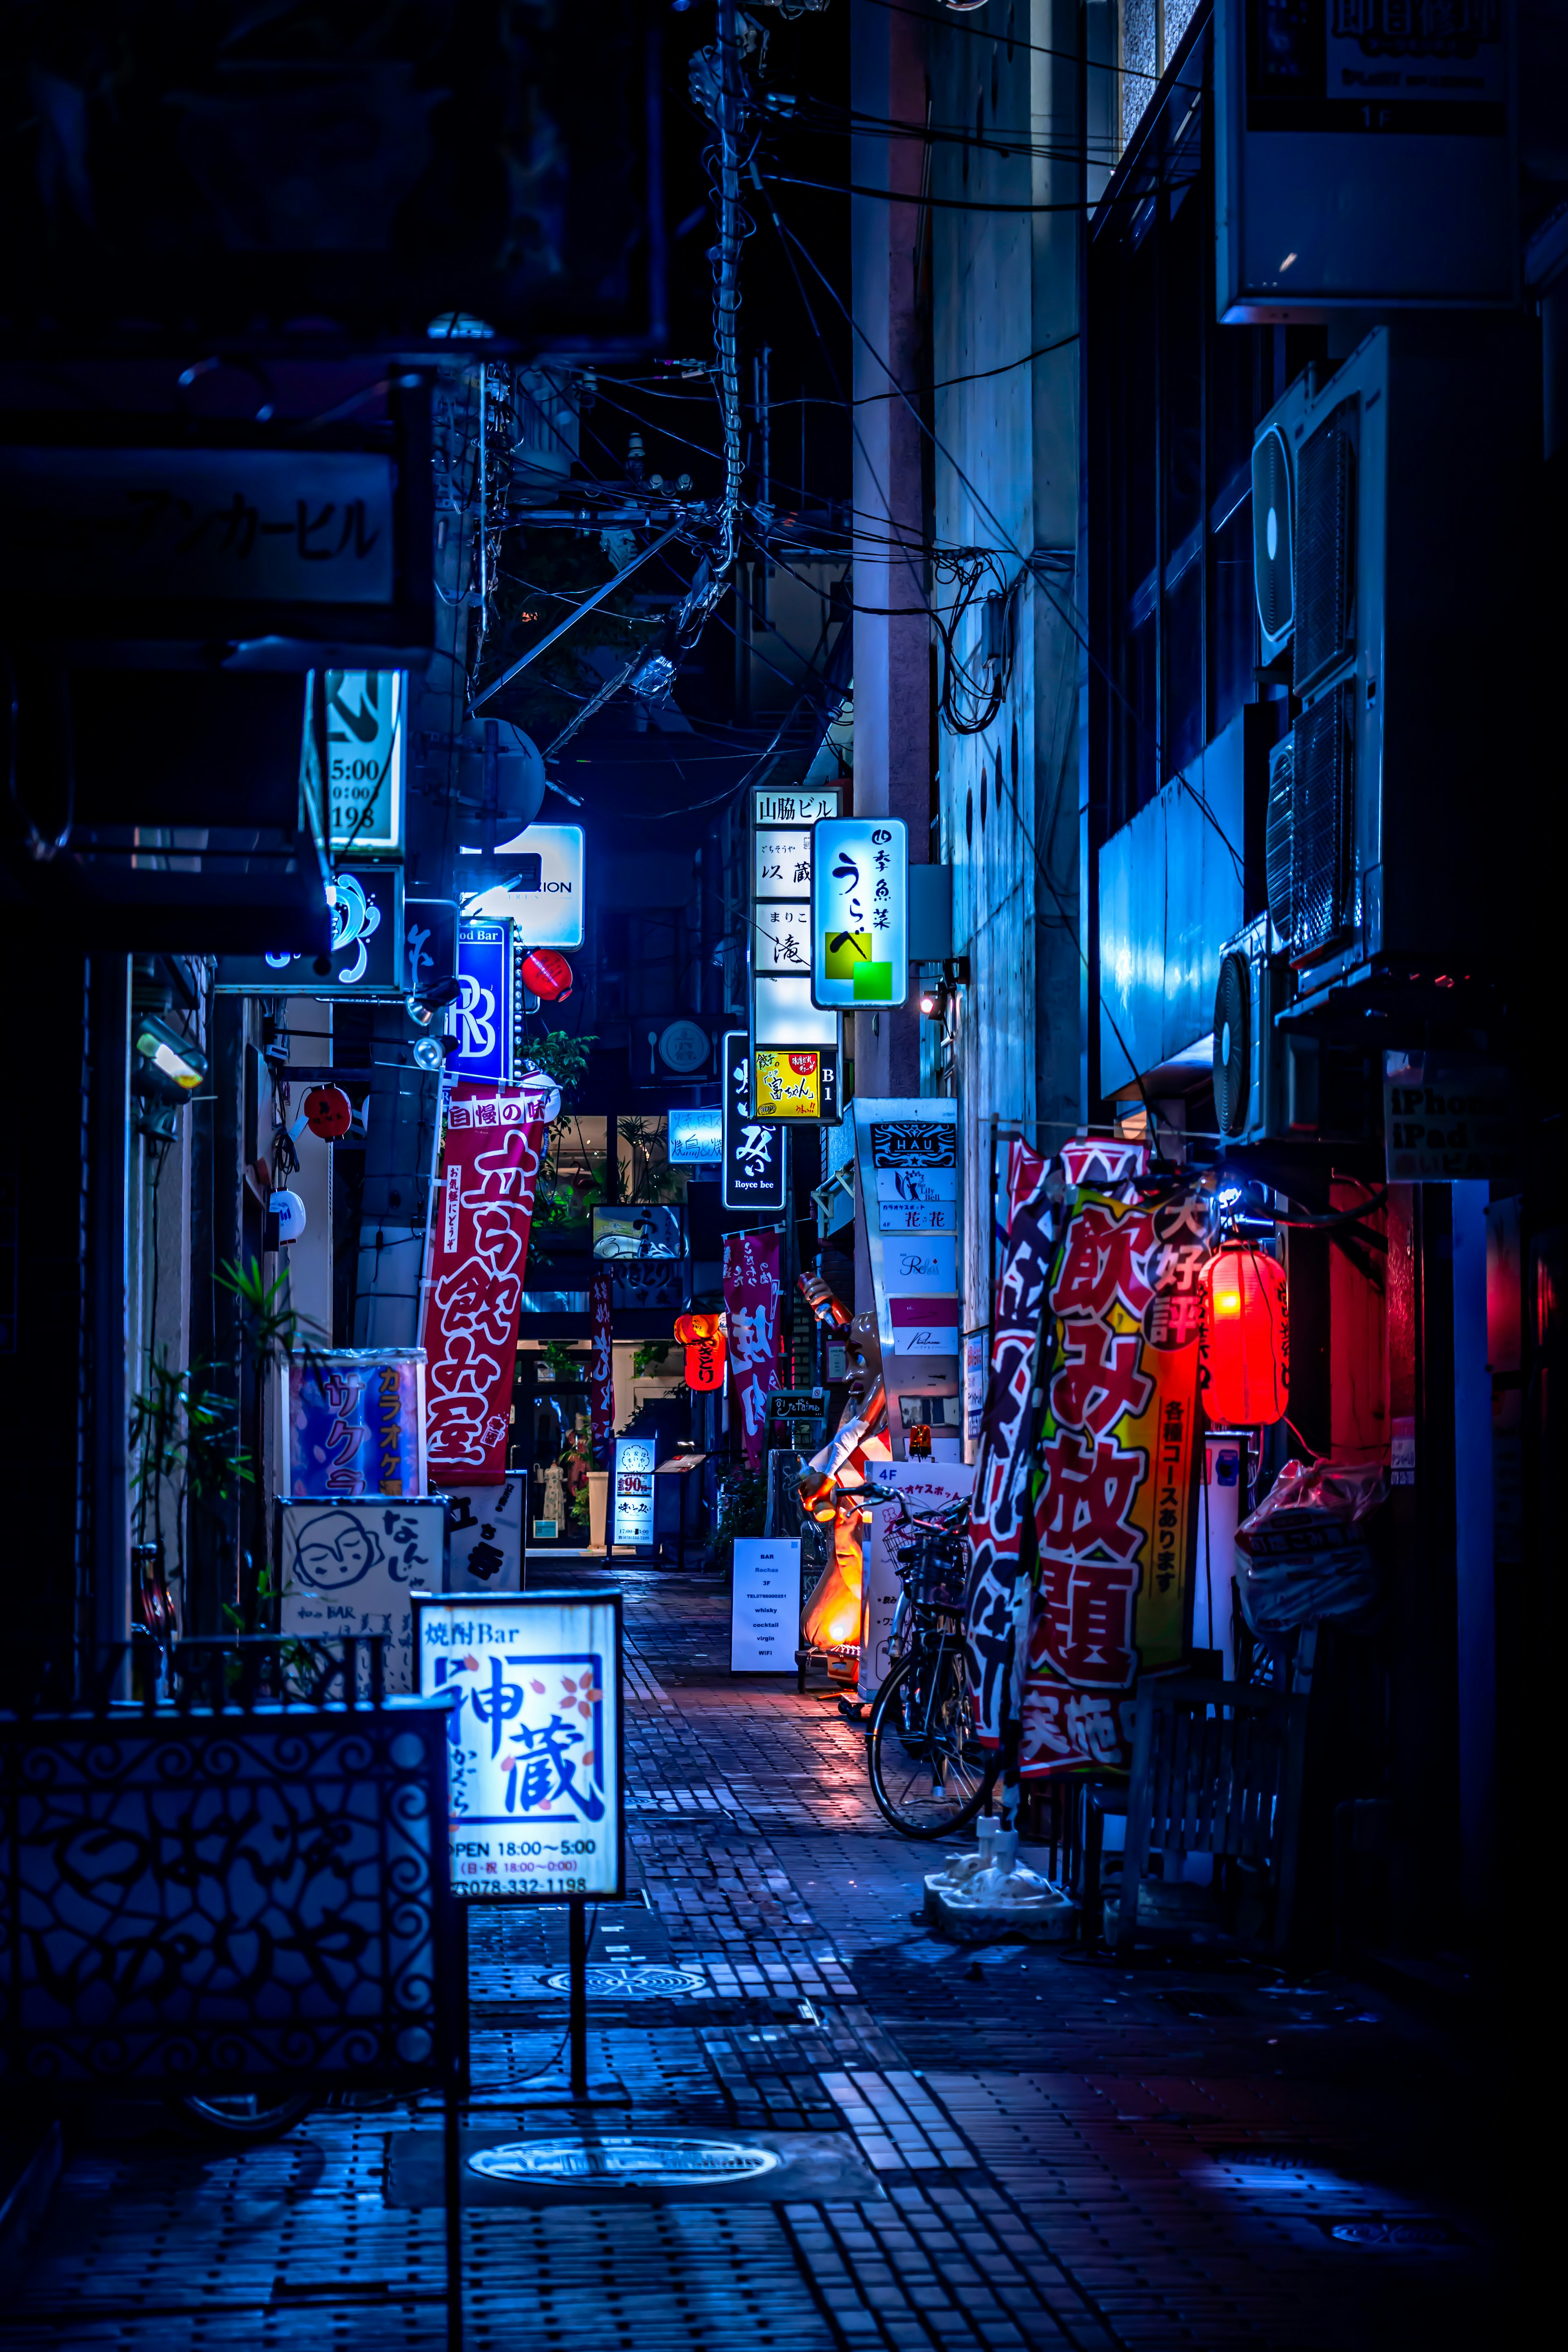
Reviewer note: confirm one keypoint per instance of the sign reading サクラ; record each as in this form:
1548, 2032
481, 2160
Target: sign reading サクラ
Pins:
765, 1608
534, 1753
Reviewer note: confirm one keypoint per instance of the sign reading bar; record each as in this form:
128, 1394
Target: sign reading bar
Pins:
535, 1739
860, 911
753, 1158
765, 1607
484, 1010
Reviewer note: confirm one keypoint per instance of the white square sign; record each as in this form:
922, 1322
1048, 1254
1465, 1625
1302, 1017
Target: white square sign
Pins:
534, 1754
348, 1564
764, 1605
484, 1538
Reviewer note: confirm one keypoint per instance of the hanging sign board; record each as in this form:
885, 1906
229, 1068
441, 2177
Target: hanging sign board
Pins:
364, 760
908, 1194
764, 1605
547, 905
355, 1421
430, 940
479, 1263
348, 1567
484, 1010
535, 1740
632, 1516
753, 1155
785, 1018
860, 911
800, 1085
366, 954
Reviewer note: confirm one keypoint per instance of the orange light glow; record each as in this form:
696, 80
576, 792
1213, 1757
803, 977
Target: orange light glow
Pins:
1245, 1339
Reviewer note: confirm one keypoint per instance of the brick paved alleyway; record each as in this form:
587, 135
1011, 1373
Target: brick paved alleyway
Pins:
1068, 2154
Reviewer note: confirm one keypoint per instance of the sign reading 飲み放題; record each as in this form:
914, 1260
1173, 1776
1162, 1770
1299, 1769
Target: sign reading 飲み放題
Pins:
535, 1739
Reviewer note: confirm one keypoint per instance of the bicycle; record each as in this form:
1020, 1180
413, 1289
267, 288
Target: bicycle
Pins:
930, 1776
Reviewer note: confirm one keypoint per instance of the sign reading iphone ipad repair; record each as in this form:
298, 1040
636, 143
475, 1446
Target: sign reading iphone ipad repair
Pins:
535, 1739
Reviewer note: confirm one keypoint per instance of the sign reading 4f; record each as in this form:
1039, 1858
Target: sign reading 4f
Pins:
860, 911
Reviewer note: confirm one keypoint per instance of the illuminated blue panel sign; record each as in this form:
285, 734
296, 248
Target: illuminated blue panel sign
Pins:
483, 1012
632, 1518
860, 911
696, 1137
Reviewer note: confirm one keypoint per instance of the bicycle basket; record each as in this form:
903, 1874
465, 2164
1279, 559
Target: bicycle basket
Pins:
936, 1571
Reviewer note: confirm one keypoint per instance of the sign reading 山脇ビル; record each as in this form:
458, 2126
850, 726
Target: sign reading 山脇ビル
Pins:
535, 1742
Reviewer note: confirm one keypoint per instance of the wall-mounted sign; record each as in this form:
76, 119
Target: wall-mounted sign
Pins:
1447, 1118
784, 1014
908, 1196
684, 1048
349, 1567
535, 1760
801, 1083
366, 954
548, 907
355, 1421
430, 941
860, 911
365, 761
632, 1499
484, 1011
696, 1137
643, 1248
754, 1175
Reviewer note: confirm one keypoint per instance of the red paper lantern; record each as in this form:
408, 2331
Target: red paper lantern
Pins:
329, 1113
1244, 1339
702, 1337
546, 974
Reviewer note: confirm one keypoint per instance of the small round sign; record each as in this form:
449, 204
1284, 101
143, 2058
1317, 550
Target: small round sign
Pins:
684, 1046
329, 1113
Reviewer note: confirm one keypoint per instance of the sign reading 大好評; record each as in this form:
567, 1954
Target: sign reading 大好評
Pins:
535, 1739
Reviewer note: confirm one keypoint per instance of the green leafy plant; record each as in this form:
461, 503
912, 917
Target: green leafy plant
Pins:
742, 1510
650, 1358
184, 1440
562, 1057
273, 1333
563, 1363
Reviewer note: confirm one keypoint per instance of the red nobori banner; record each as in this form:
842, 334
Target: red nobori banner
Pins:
484, 1207
1115, 1515
601, 1368
752, 1304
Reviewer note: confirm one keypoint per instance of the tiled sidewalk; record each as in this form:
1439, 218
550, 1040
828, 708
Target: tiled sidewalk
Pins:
1070, 2154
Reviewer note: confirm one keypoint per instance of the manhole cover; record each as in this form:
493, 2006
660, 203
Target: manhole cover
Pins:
625, 2161
652, 1983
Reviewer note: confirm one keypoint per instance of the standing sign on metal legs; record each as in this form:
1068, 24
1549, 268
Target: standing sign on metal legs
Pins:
535, 1755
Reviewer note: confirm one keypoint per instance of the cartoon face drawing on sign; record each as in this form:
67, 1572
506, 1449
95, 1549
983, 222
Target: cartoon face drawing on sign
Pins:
336, 1552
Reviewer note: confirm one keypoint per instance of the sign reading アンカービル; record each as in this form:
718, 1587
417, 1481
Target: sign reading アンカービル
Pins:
535, 1739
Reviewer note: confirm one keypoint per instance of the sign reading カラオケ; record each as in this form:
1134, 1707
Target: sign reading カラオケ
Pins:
479, 1259
534, 1752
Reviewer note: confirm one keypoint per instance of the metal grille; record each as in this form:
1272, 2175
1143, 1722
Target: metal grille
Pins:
1318, 831
1278, 834
219, 1901
1325, 474
1272, 567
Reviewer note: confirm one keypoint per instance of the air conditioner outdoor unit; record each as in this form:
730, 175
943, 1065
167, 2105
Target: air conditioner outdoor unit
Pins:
1400, 481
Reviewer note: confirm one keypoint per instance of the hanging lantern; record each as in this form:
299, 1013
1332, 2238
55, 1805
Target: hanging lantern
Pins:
547, 974
702, 1337
329, 1113
1244, 1339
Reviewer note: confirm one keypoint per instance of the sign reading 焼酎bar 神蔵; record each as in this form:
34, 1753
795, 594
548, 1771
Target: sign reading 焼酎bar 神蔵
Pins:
535, 1739
754, 1172
860, 911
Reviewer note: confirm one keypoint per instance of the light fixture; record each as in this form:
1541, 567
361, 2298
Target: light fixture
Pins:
170, 1067
426, 1003
928, 1001
430, 1052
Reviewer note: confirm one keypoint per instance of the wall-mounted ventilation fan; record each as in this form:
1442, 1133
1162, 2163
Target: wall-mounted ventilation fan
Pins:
1273, 538
1232, 1042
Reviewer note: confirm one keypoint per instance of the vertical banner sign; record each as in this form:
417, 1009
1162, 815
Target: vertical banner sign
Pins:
860, 911
633, 1499
752, 1305
483, 1209
909, 1192
601, 1366
997, 1606
1115, 1517
356, 1421
784, 1020
753, 1153
484, 1010
535, 1760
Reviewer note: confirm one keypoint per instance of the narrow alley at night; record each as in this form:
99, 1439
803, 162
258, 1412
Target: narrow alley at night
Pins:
781, 1210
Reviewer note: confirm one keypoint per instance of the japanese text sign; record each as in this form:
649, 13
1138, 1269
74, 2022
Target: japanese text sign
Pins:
365, 758
350, 1567
753, 1158
356, 1421
752, 1304
696, 1137
632, 1513
535, 1739
860, 911
783, 1013
601, 1366
479, 1261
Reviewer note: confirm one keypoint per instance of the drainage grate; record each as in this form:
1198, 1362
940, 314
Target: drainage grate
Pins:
624, 2161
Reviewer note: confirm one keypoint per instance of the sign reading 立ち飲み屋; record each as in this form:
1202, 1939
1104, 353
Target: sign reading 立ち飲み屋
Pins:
535, 1739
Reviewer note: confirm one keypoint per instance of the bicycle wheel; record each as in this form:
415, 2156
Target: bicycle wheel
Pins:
929, 1775
243, 2115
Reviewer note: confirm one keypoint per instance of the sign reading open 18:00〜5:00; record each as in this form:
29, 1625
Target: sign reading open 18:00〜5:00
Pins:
533, 1741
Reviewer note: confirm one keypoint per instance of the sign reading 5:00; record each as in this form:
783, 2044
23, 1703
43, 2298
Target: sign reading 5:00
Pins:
535, 1739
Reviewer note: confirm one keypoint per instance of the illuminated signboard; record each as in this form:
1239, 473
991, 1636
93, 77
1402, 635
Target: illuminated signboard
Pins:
364, 760
535, 1740
783, 1016
547, 908
860, 911
484, 1011
632, 1516
754, 1176
696, 1137
803, 1085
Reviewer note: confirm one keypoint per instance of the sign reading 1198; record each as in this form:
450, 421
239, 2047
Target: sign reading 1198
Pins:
533, 1740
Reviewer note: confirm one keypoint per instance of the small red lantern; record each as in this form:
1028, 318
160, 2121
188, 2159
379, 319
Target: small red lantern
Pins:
547, 974
702, 1337
1244, 1339
329, 1113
